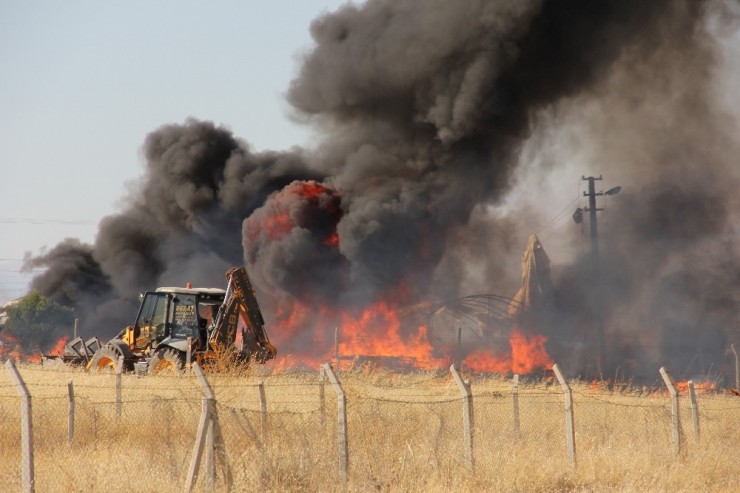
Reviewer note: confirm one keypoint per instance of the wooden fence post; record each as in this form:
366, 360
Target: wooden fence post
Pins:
26, 428
208, 435
515, 398
674, 410
71, 417
694, 410
210, 452
341, 422
119, 371
570, 435
322, 401
464, 386
200, 440
189, 355
263, 410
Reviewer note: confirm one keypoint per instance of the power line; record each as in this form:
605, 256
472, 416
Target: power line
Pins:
559, 215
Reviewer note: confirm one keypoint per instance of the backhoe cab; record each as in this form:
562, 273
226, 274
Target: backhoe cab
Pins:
174, 324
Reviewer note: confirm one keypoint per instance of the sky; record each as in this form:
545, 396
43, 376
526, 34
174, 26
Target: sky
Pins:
84, 82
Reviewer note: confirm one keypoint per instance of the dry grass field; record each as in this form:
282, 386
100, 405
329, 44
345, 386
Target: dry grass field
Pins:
405, 434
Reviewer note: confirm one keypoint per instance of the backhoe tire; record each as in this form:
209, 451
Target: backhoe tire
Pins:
122, 348
166, 361
106, 359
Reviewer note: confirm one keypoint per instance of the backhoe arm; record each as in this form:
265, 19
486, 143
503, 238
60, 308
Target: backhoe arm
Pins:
241, 302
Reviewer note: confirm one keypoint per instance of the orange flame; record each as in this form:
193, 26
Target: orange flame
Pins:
33, 358
58, 348
332, 240
703, 387
528, 354
377, 332
483, 360
9, 346
281, 215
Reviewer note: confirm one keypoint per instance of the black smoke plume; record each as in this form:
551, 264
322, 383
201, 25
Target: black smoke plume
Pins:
183, 224
446, 129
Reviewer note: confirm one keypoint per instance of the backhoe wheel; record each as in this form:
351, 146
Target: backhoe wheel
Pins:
166, 361
106, 360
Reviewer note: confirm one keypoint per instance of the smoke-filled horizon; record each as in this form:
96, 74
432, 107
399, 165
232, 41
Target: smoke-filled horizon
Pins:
446, 133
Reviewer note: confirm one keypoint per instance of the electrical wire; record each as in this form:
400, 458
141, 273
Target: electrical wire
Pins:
557, 216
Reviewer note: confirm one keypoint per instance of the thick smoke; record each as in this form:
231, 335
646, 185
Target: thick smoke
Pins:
183, 224
668, 273
426, 110
448, 128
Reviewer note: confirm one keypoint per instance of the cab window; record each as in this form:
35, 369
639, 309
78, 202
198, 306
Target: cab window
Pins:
153, 310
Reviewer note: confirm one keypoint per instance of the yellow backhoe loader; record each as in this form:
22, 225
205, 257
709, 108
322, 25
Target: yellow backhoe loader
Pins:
175, 326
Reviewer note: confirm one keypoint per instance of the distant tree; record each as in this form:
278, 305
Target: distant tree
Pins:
37, 322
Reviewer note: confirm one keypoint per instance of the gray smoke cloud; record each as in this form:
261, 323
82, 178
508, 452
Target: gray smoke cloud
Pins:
183, 223
425, 110
447, 129
658, 125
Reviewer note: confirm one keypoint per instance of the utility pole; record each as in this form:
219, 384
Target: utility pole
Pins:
595, 274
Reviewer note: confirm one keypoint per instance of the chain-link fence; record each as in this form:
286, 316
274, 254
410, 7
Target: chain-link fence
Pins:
282, 432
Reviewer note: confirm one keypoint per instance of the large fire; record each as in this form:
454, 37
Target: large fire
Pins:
382, 333
10, 348
315, 327
527, 354
377, 332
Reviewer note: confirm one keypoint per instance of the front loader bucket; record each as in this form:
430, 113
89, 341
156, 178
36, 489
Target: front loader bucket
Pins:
79, 352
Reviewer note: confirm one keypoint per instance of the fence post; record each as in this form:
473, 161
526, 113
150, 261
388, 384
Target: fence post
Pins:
515, 397
210, 398
200, 439
119, 371
71, 417
570, 435
209, 434
322, 401
263, 410
26, 428
674, 410
189, 355
341, 421
694, 410
464, 386
210, 453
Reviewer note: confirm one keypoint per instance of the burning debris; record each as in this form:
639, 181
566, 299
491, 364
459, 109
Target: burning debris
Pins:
535, 294
527, 314
436, 123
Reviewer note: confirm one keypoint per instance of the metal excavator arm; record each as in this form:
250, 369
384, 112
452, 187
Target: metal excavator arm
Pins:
241, 303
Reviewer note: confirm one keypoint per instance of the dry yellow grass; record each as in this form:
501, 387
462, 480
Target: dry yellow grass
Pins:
405, 434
